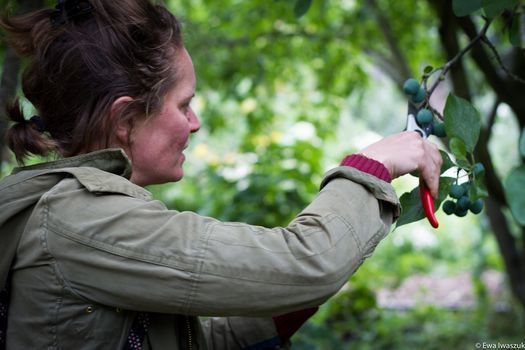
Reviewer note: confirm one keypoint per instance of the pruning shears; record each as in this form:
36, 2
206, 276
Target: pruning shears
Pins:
424, 192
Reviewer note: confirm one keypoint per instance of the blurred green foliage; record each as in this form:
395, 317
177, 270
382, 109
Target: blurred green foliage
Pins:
354, 320
282, 98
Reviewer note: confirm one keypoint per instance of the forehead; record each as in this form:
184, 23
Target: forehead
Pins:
186, 80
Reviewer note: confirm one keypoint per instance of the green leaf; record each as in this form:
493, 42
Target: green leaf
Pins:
478, 189
494, 8
465, 7
411, 202
522, 143
301, 7
447, 162
462, 120
458, 148
428, 69
515, 192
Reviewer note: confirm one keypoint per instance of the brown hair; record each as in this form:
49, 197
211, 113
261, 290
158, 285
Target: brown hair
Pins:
78, 68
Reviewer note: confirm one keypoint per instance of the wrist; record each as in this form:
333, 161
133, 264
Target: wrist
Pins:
368, 165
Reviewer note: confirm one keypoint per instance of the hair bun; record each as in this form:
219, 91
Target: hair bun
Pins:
69, 10
38, 123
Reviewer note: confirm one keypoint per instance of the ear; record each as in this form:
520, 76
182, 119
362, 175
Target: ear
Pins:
122, 127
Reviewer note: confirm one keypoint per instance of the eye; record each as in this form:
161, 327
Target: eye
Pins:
186, 108
185, 105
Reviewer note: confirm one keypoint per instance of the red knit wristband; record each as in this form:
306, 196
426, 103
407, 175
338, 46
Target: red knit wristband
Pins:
367, 165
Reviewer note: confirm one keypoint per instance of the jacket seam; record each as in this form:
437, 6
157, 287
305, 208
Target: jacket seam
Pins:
17, 183
47, 229
337, 276
235, 338
74, 173
327, 219
349, 225
198, 268
119, 251
353, 233
60, 281
110, 249
59, 276
375, 239
71, 160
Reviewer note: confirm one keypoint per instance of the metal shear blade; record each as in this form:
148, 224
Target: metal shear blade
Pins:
426, 198
412, 124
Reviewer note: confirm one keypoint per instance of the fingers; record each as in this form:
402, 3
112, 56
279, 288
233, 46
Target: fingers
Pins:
430, 167
427, 158
407, 152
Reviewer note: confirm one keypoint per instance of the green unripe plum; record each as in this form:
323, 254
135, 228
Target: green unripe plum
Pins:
419, 96
478, 169
438, 129
476, 207
456, 191
460, 212
424, 117
464, 203
449, 207
411, 86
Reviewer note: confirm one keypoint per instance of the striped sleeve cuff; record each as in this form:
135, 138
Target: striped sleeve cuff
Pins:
367, 165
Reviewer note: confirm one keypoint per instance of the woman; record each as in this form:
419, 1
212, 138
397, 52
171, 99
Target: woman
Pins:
92, 262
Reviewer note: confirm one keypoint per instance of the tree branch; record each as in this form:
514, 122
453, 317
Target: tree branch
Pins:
508, 248
491, 119
444, 69
491, 47
507, 90
399, 59
386, 65
496, 201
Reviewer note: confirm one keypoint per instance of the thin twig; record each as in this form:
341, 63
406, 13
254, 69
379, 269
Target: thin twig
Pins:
492, 119
444, 69
487, 42
435, 112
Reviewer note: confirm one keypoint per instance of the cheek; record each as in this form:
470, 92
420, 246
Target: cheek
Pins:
180, 133
167, 135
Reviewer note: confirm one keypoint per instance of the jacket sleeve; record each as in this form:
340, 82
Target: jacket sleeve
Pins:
135, 254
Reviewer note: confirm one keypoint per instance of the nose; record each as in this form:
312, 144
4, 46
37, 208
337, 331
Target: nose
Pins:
193, 120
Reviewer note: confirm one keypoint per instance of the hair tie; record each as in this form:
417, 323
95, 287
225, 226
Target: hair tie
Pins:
38, 123
69, 10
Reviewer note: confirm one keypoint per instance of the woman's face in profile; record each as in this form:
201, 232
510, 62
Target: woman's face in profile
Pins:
158, 142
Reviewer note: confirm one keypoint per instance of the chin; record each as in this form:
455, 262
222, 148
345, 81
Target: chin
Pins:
177, 176
158, 180
168, 179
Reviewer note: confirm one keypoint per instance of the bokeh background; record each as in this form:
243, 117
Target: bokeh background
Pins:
287, 88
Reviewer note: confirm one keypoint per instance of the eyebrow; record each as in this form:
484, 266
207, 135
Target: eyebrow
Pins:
189, 98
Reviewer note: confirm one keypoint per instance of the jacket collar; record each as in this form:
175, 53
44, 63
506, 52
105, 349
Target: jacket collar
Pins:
112, 160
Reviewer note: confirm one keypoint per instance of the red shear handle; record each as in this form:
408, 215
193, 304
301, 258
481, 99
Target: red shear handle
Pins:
428, 203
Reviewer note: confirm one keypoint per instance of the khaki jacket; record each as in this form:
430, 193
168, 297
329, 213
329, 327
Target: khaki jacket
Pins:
87, 250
